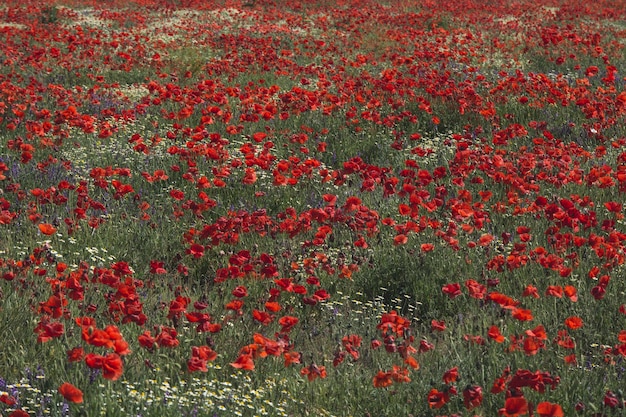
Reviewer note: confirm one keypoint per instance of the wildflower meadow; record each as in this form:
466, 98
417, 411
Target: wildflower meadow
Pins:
312, 208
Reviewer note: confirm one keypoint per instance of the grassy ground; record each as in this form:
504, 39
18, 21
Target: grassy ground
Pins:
383, 209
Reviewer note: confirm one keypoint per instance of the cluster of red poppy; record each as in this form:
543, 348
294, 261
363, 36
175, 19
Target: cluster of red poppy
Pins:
530, 179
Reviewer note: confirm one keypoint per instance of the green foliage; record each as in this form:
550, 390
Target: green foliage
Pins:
49, 15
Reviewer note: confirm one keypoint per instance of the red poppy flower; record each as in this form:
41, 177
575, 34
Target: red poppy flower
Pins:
452, 290
574, 322
196, 250
99, 338
436, 325
167, 337
234, 305
514, 407
240, 291
75, 355
412, 362
532, 345
531, 291
400, 239
404, 209
71, 393
213, 327
93, 360
494, 333
427, 247
177, 194
195, 364
112, 367
382, 379
485, 239
522, 314
203, 352
146, 340
472, 396
538, 332
113, 332
474, 339
437, 399
611, 400
291, 358
570, 359
244, 361
352, 204
554, 291
598, 292
503, 300
47, 229
321, 295
49, 331
451, 375
197, 317
177, 307
313, 371
476, 290
570, 292
85, 322
425, 346
272, 306
287, 323
7, 399
259, 136
546, 409
262, 317
613, 206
